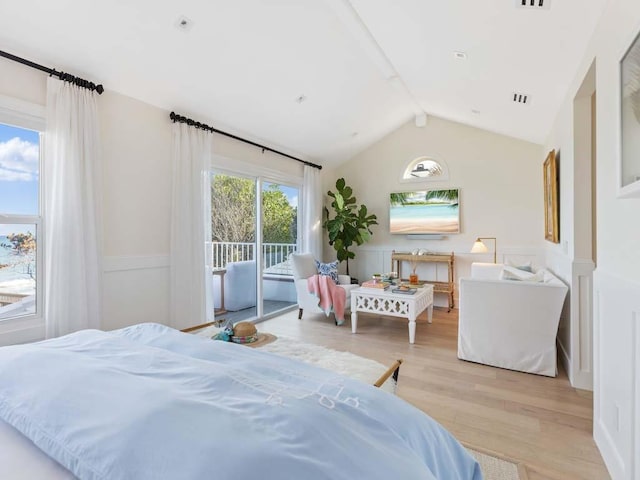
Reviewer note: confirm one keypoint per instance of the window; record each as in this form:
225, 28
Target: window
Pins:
20, 217
425, 168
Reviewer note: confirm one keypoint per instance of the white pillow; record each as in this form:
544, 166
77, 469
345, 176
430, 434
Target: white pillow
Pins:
525, 266
304, 265
513, 273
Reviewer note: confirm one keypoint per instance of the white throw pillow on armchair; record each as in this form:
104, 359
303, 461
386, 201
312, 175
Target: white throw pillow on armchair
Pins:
304, 265
514, 273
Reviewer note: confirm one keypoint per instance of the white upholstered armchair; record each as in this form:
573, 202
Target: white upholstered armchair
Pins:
509, 323
304, 266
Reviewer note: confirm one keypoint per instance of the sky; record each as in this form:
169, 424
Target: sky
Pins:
290, 192
19, 171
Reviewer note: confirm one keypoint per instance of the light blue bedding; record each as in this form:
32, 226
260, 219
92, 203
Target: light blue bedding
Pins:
149, 402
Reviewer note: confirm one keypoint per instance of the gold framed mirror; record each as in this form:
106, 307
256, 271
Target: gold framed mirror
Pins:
551, 224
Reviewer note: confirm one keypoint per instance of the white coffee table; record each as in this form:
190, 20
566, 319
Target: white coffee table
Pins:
393, 304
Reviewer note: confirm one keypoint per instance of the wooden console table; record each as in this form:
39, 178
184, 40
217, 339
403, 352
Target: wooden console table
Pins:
438, 287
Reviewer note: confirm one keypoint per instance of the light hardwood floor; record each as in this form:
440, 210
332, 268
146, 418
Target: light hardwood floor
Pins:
539, 421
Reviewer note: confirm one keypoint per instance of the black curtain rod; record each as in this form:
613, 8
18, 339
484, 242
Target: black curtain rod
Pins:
66, 77
180, 119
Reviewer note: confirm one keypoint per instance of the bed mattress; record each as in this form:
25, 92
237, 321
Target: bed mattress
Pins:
20, 459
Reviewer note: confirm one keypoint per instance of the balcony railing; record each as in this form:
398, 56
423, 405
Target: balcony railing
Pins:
275, 256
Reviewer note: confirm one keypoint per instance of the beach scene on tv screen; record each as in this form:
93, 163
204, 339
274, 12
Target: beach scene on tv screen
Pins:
425, 212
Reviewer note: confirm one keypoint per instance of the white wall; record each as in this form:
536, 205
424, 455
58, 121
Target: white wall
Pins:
500, 182
20, 82
136, 148
136, 145
616, 333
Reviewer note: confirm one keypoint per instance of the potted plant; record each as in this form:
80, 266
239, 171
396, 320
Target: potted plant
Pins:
351, 223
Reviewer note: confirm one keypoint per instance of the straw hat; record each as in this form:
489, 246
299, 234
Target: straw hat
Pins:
246, 333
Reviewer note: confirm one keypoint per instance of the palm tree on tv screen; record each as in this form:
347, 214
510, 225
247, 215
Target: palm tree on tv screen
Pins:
450, 196
398, 198
403, 198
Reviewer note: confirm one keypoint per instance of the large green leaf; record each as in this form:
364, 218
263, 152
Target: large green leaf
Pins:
350, 230
351, 223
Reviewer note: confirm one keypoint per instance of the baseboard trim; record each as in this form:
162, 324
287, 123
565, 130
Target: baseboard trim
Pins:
612, 459
582, 380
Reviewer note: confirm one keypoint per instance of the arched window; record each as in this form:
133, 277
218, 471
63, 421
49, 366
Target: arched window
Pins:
425, 168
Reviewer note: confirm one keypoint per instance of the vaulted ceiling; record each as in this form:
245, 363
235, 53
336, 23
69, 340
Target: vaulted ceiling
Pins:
322, 79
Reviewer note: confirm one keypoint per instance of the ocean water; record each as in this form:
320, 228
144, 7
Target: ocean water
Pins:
440, 212
16, 274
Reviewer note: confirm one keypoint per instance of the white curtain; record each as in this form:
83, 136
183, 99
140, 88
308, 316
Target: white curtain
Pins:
72, 176
190, 227
312, 213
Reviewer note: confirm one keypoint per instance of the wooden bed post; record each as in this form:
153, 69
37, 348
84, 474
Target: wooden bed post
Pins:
394, 370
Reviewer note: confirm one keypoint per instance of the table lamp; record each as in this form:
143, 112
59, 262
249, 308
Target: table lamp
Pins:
480, 247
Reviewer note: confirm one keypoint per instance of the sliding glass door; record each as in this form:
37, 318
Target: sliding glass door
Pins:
279, 241
254, 224
233, 246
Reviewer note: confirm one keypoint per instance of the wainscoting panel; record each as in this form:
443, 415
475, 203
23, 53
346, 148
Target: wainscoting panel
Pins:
367, 263
137, 262
581, 294
21, 331
136, 290
635, 402
617, 373
372, 259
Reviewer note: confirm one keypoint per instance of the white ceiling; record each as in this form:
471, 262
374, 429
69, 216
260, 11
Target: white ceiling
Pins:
243, 63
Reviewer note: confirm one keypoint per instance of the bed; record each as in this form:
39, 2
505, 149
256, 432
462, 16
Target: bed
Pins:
150, 402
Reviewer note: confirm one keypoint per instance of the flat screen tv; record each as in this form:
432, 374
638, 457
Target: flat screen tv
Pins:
425, 212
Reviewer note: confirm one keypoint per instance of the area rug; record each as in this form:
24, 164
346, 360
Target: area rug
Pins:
498, 467
342, 363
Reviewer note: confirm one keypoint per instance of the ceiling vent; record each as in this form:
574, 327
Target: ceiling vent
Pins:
521, 98
534, 4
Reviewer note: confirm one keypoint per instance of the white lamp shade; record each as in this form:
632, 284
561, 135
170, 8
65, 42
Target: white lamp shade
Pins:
479, 247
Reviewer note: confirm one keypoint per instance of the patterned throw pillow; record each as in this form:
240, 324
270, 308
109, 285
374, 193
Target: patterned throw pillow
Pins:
328, 269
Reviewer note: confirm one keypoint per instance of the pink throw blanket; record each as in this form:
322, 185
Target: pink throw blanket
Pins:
331, 298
